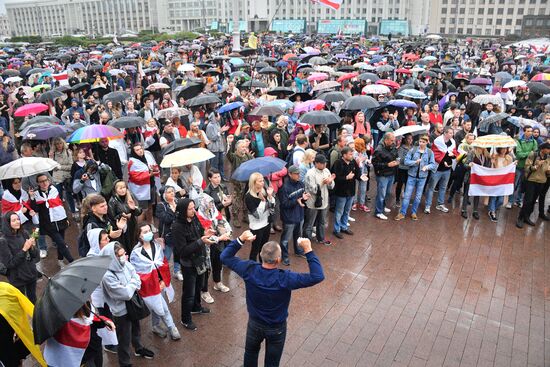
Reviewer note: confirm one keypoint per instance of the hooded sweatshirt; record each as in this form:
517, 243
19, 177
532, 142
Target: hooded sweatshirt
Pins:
187, 235
119, 283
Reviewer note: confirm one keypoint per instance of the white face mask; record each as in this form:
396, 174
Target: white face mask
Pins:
122, 259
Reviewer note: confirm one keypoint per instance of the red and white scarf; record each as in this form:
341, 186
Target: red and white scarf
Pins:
11, 204
139, 178
53, 203
439, 148
67, 346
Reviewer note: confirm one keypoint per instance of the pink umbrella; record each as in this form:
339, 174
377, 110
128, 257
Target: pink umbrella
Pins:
310, 105
30, 109
317, 76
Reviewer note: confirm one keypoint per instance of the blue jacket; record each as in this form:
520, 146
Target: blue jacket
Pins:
427, 160
268, 291
291, 211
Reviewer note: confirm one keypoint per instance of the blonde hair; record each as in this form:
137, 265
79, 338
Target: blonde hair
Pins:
309, 156
252, 182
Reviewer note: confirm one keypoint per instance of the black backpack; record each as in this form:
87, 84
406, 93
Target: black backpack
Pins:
82, 241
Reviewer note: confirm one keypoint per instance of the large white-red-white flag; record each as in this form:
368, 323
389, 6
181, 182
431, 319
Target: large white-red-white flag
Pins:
492, 181
334, 4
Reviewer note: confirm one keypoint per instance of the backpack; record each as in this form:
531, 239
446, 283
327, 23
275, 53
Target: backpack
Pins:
82, 242
108, 180
290, 157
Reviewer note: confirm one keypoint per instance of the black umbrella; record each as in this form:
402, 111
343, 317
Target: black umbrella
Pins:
102, 91
95, 67
544, 100
127, 122
36, 71
51, 95
179, 145
39, 120
428, 73
475, 89
261, 65
320, 118
377, 113
254, 84
268, 70
65, 293
203, 100
450, 86
11, 72
115, 96
357, 103
190, 90
346, 68
247, 52
278, 90
538, 88
303, 97
63, 88
330, 97
267, 111
204, 65
496, 117
80, 87
211, 72
369, 76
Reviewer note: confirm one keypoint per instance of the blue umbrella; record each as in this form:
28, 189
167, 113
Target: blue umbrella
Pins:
77, 66
445, 99
230, 106
402, 103
156, 64
284, 104
412, 93
281, 64
263, 165
236, 61
514, 121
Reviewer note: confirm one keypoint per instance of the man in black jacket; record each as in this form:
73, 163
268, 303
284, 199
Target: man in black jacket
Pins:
385, 162
109, 156
346, 171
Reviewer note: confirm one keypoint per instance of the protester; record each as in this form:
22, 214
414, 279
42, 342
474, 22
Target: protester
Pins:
346, 172
444, 149
385, 160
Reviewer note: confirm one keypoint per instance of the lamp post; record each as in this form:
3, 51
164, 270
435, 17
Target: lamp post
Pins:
236, 26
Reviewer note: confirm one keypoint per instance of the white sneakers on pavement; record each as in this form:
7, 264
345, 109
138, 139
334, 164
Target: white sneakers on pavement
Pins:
206, 297
221, 287
381, 216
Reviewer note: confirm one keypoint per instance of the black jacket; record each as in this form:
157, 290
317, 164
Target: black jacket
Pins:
111, 158
342, 186
382, 156
166, 217
21, 265
188, 246
215, 194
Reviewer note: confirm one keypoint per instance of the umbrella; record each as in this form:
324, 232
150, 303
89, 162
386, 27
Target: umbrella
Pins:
38, 71
92, 133
534, 124
403, 103
346, 68
127, 122
11, 72
369, 76
38, 88
156, 86
267, 111
238, 74
428, 74
30, 109
514, 84
211, 72
504, 77
303, 96
544, 100
481, 81
375, 89
101, 91
44, 132
39, 120
331, 97
116, 72
475, 89
328, 84
494, 141
488, 98
414, 130
317, 77
347, 76
116, 96
80, 87
263, 165
320, 118
179, 145
538, 88
278, 90
27, 166
411, 93
186, 67
185, 157
170, 113
494, 118
230, 107
317, 60
65, 293
541, 77
203, 99
403, 71
49, 96
254, 84
13, 79
307, 106
384, 68
191, 90
357, 103
388, 83
268, 70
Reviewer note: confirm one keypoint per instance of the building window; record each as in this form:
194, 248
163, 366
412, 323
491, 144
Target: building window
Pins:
508, 21
518, 21
520, 11
470, 20
442, 30
490, 11
500, 11
499, 21
471, 11
444, 11
489, 22
462, 11
510, 11
480, 11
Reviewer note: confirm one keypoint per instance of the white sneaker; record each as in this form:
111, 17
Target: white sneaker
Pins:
43, 254
509, 205
221, 287
174, 333
179, 275
442, 208
427, 210
159, 331
387, 210
381, 216
61, 264
206, 297
351, 219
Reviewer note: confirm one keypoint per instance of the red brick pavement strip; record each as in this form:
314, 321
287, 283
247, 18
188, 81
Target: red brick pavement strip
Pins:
437, 292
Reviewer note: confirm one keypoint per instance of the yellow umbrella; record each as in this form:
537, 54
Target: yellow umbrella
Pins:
185, 157
18, 310
494, 141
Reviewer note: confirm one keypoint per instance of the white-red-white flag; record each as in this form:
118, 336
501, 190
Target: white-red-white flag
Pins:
334, 4
492, 181
62, 78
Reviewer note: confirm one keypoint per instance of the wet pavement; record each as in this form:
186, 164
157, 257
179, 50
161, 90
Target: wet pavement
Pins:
441, 291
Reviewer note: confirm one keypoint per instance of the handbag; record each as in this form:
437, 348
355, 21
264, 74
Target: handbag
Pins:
318, 198
136, 309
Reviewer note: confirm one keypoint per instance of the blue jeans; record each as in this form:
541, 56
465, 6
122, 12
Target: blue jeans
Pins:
341, 212
383, 192
416, 185
495, 202
361, 192
439, 179
294, 230
217, 162
168, 252
519, 189
274, 337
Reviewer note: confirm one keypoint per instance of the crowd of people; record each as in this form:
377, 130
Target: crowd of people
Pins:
404, 117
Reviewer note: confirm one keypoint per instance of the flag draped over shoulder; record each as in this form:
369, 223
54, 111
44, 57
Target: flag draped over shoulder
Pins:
492, 181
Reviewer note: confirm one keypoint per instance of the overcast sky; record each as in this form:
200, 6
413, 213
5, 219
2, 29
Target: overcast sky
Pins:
2, 8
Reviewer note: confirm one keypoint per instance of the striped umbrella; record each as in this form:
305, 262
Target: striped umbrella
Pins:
92, 133
494, 141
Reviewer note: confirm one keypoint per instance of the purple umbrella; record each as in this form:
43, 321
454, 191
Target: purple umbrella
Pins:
481, 81
44, 132
341, 56
403, 103
445, 99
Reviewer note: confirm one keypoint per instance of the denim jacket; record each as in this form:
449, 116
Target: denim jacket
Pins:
427, 160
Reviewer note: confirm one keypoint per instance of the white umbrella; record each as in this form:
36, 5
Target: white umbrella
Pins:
324, 69
27, 166
430, 48
186, 67
13, 79
169, 113
434, 36
514, 84
185, 157
376, 89
156, 86
414, 129
488, 98
534, 124
116, 72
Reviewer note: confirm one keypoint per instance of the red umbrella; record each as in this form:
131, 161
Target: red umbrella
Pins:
410, 57
403, 71
388, 83
347, 77
30, 109
287, 56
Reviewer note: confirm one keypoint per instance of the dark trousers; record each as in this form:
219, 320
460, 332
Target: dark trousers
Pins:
458, 180
274, 337
262, 236
191, 292
533, 191
401, 179
29, 290
466, 198
127, 331
216, 270
58, 237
